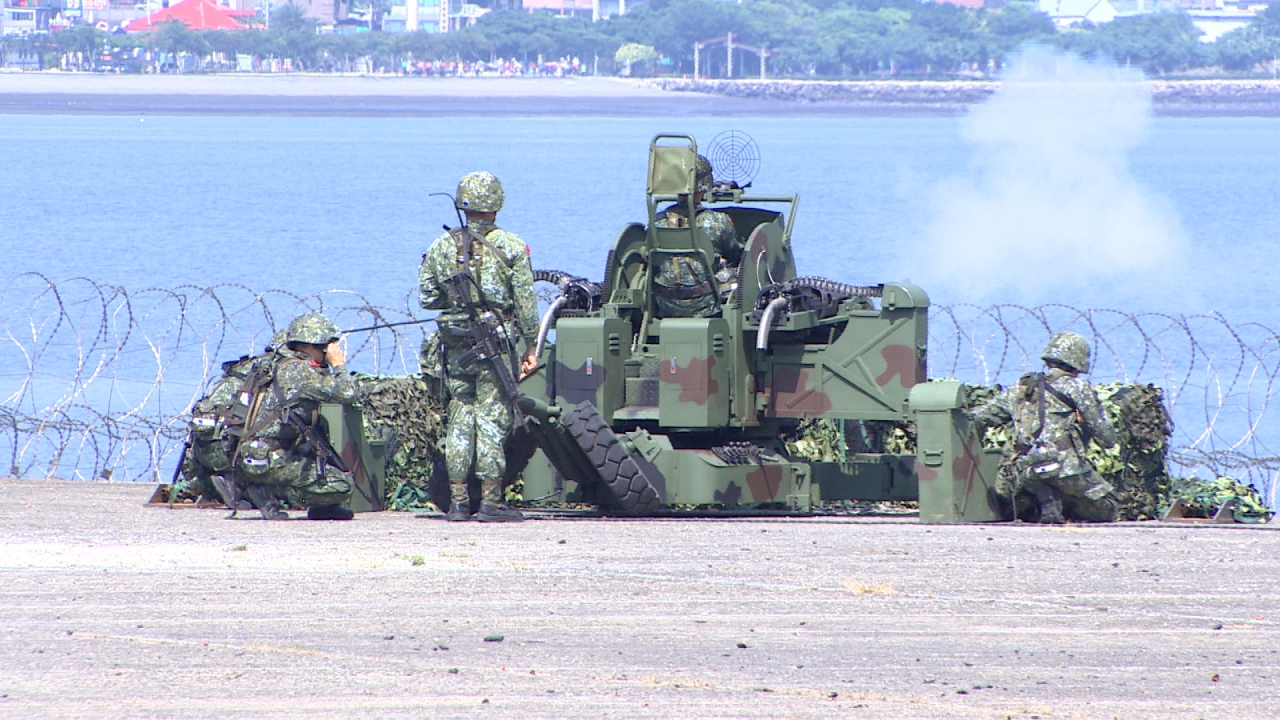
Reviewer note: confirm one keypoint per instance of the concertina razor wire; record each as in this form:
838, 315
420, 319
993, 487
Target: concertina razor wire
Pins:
96, 381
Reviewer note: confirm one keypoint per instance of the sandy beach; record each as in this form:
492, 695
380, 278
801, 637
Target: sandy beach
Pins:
391, 95
89, 93
112, 609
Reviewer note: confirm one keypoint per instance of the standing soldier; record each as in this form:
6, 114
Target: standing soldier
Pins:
1054, 415
682, 286
480, 278
285, 449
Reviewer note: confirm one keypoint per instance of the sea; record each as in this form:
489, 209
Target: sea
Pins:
307, 204
1102, 205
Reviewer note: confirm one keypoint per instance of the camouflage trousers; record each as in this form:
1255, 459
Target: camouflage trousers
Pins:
670, 307
290, 476
479, 420
193, 480
1085, 497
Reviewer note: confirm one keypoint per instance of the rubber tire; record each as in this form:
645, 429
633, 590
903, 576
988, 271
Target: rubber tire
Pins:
618, 471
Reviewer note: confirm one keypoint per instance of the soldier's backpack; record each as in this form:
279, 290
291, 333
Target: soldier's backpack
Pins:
218, 419
1042, 460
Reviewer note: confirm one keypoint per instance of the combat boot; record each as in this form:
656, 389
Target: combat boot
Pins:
228, 491
329, 512
1050, 505
266, 503
498, 513
458, 513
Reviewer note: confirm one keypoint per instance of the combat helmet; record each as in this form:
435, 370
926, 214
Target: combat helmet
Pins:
703, 179
480, 192
1069, 349
313, 329
278, 341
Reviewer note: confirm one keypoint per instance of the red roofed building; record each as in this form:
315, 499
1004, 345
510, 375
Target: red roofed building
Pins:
195, 14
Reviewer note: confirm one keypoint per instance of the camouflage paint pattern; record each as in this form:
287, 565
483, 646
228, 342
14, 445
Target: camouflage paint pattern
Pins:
679, 272
693, 372
1069, 349
313, 329
210, 447
590, 354
1064, 429
364, 457
508, 291
704, 180
479, 419
480, 192
957, 478
270, 456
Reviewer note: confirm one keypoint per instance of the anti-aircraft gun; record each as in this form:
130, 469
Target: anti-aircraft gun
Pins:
635, 411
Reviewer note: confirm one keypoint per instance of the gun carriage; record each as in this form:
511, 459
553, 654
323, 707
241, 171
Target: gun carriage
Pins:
637, 412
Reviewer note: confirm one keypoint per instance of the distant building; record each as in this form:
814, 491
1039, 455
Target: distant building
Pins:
26, 17
414, 16
325, 12
971, 4
595, 9
195, 14
1066, 13
1216, 23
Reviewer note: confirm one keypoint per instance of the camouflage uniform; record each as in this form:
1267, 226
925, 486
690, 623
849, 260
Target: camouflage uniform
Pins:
276, 451
209, 445
1085, 496
479, 417
677, 274
682, 285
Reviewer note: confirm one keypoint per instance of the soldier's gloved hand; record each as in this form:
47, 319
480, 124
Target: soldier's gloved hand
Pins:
528, 363
334, 355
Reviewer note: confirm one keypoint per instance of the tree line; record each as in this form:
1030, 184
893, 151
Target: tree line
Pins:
804, 38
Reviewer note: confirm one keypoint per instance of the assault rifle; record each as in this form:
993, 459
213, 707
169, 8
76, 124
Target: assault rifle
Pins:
316, 443
488, 337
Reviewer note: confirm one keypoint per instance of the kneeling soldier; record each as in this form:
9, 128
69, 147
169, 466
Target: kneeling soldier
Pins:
285, 450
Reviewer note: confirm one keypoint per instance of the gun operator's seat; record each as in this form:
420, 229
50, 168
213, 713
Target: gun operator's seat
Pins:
681, 259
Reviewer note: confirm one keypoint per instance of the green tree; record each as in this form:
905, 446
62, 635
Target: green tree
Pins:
174, 37
632, 55
289, 18
1159, 42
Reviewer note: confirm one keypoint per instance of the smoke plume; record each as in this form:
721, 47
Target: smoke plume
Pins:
1049, 208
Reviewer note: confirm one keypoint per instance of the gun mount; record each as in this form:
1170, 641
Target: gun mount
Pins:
634, 409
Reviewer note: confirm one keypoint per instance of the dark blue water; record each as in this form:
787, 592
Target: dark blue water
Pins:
309, 204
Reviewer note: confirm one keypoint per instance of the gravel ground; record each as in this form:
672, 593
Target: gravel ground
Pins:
112, 609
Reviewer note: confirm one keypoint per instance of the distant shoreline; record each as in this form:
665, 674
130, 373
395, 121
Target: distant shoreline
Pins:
364, 95
1169, 97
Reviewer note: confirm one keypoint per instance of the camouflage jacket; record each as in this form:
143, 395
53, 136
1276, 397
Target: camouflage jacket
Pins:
508, 291
300, 383
223, 395
678, 271
1065, 427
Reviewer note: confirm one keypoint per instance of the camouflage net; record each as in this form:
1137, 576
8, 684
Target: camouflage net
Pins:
1204, 498
96, 381
406, 412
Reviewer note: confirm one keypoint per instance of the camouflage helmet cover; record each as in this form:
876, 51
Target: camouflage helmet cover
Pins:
480, 192
313, 329
278, 341
703, 179
1069, 349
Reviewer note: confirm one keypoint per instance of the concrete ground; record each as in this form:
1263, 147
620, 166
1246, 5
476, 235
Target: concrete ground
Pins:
112, 609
